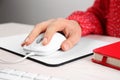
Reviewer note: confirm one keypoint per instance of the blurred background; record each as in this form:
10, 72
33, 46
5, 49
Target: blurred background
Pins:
35, 11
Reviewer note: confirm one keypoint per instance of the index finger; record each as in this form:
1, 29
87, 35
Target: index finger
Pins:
34, 33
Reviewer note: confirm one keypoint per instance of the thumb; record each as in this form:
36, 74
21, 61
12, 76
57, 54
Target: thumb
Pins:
66, 45
70, 42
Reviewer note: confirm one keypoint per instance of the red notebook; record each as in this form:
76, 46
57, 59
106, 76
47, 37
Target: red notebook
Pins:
108, 55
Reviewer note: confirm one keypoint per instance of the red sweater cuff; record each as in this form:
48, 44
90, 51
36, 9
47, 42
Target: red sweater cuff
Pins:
87, 21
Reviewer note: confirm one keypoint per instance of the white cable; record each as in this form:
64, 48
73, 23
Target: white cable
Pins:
17, 61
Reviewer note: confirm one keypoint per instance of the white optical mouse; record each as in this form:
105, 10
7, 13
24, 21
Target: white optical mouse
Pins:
53, 46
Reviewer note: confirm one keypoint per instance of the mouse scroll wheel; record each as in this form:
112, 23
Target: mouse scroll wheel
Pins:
39, 40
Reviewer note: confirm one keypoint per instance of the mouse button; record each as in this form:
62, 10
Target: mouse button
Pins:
39, 38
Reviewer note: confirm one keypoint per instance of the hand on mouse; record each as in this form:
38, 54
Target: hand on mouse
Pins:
70, 28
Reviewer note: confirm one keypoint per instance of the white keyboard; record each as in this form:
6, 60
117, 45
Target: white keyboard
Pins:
12, 74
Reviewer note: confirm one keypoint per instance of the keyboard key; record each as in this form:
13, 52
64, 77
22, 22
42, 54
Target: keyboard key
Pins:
12, 74
42, 77
29, 75
17, 73
7, 77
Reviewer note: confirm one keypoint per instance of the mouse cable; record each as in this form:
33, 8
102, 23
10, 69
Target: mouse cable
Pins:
17, 61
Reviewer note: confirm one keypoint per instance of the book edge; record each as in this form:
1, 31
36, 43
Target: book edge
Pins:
107, 63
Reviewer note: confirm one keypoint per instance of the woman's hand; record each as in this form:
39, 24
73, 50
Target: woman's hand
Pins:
71, 29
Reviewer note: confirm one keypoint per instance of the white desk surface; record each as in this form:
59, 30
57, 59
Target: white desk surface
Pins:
82, 69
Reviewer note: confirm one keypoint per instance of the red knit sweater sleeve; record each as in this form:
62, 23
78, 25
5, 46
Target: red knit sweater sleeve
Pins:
91, 20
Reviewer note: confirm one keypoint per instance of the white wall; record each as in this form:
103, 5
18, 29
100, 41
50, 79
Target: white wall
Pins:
34, 11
